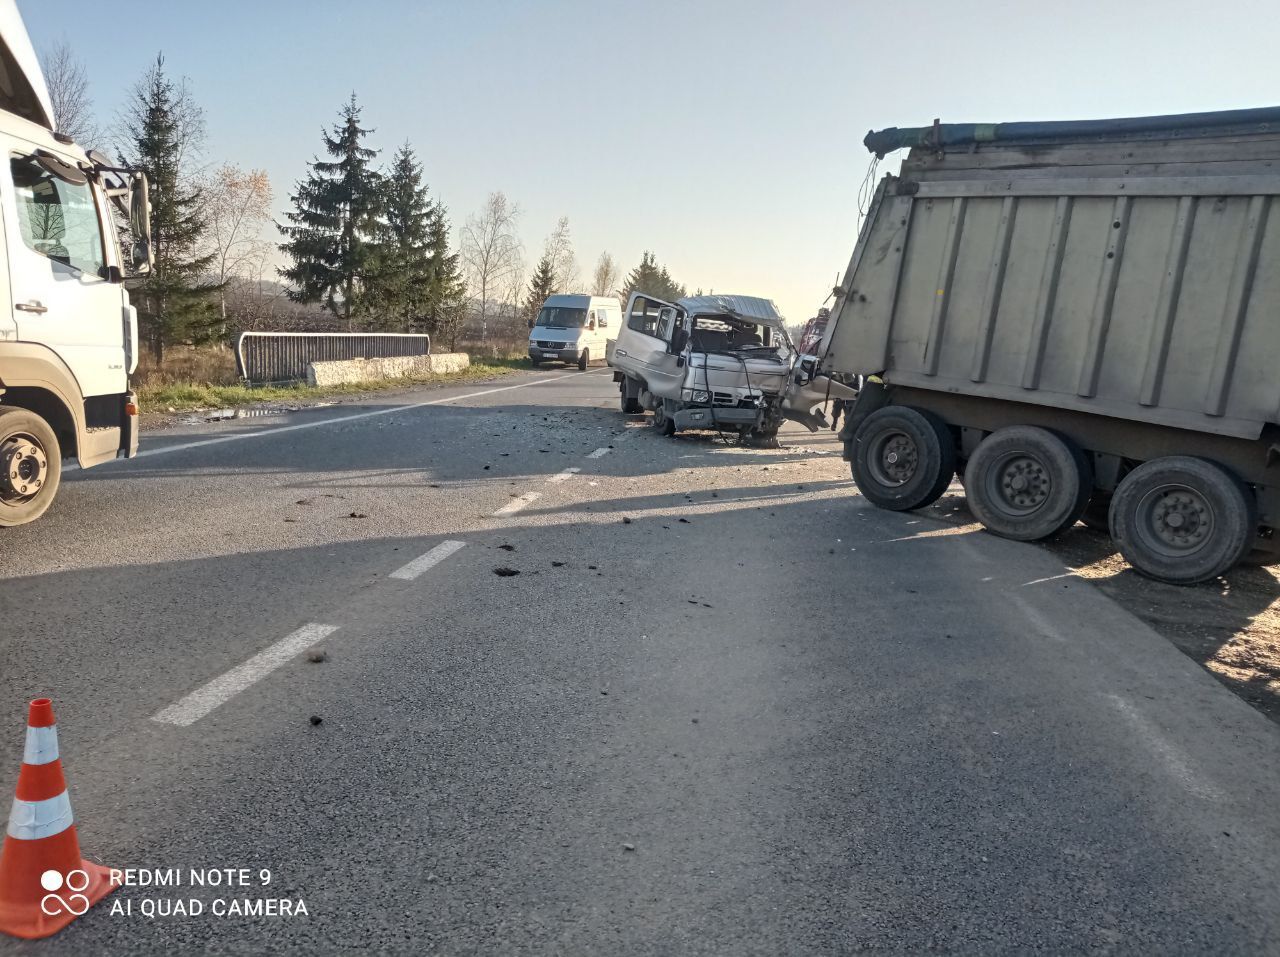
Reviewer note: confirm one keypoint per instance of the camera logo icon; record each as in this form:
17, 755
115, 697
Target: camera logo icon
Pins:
72, 884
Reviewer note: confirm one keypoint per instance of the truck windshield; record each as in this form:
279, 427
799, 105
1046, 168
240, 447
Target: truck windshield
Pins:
562, 317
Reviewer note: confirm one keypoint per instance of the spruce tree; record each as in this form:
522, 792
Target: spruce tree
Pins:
332, 241
163, 126
446, 301
400, 279
653, 280
542, 285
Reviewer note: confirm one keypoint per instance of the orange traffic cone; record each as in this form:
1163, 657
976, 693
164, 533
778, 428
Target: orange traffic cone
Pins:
44, 883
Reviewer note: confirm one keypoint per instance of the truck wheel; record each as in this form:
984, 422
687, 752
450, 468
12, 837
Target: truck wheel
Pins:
584, 359
1183, 520
30, 466
630, 404
1026, 483
661, 421
902, 458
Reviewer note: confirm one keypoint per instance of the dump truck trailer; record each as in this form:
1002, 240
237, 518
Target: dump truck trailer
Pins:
1081, 319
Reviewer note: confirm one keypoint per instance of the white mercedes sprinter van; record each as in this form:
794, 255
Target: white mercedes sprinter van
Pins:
573, 328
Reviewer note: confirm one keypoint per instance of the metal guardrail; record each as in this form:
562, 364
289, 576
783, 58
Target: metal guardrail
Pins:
263, 358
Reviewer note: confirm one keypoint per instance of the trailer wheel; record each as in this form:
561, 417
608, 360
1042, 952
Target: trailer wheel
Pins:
30, 466
902, 458
1183, 520
1026, 483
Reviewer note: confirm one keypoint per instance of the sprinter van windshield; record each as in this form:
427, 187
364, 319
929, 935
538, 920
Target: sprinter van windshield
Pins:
562, 317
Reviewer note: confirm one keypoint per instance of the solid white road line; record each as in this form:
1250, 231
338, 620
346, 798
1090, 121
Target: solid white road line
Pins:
598, 454
513, 506
226, 686
165, 450
564, 476
432, 558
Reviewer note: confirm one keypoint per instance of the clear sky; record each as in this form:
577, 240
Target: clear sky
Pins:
725, 135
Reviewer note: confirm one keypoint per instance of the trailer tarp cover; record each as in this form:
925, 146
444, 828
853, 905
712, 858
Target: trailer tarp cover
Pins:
943, 135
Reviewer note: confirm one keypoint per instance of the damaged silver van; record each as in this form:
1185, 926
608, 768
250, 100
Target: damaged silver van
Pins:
704, 362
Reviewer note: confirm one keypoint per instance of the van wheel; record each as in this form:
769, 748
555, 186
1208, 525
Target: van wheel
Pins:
1026, 483
630, 404
902, 458
30, 466
534, 362
584, 359
661, 421
1183, 520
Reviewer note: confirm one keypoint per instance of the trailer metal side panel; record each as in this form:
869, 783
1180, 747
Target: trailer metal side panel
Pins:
1150, 292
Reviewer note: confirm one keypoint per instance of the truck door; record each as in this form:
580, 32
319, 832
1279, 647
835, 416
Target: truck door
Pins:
59, 290
657, 323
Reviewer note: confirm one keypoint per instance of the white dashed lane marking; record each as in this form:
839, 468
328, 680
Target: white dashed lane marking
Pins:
598, 454
223, 688
564, 476
413, 569
523, 501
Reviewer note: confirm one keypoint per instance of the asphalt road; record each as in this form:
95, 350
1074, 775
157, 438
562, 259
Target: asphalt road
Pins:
760, 717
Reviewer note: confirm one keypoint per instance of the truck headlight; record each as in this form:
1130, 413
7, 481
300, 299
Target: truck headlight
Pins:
700, 395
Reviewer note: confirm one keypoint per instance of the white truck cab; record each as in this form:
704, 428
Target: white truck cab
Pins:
68, 334
573, 328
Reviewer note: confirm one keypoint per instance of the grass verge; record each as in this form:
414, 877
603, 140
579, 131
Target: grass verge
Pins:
193, 396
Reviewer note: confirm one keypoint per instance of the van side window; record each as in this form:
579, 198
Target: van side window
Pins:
57, 219
604, 318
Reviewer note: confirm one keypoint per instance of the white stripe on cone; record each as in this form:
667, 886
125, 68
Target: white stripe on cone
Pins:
42, 745
32, 820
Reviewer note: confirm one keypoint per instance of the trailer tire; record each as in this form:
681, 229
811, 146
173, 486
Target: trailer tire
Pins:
1026, 483
1183, 520
583, 359
29, 453
902, 458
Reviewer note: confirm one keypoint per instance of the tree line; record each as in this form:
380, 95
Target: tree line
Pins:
367, 246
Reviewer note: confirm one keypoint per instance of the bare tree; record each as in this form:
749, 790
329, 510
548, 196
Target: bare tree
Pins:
604, 281
237, 208
491, 253
68, 85
564, 265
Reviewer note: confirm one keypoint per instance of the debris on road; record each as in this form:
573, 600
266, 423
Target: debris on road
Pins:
357, 515
557, 564
316, 719
505, 572
507, 548
626, 520
316, 656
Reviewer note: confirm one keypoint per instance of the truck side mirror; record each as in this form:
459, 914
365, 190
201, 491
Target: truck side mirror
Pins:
140, 223
141, 259
679, 339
